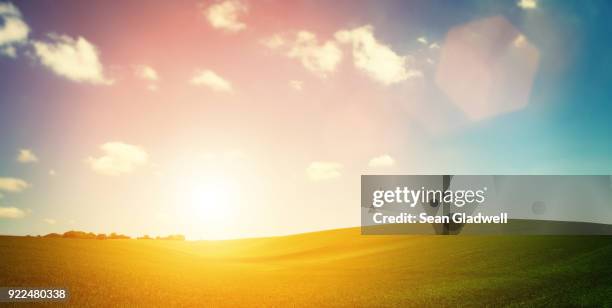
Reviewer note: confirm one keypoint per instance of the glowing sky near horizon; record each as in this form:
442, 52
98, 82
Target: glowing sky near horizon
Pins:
225, 119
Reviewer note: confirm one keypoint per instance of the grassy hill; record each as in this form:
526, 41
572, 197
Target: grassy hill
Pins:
331, 268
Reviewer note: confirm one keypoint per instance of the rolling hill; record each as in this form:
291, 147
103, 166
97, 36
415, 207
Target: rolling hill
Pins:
330, 268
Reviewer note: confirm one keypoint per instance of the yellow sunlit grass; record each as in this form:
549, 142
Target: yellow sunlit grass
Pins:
331, 268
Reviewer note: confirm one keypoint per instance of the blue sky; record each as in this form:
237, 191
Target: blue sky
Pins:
303, 127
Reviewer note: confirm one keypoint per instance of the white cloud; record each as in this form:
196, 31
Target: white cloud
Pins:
434, 46
225, 15
320, 59
75, 59
13, 30
146, 72
119, 158
11, 212
321, 171
13, 184
376, 59
26, 156
8, 9
149, 74
382, 161
210, 79
527, 4
422, 40
52, 172
9, 51
296, 85
273, 42
50, 221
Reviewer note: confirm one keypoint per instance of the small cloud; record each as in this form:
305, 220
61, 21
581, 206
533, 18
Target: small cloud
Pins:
26, 156
52, 172
319, 58
527, 4
146, 72
422, 40
382, 161
9, 51
11, 212
321, 171
13, 184
13, 30
379, 61
50, 221
119, 158
296, 85
273, 42
8, 9
225, 15
75, 59
149, 74
211, 80
434, 46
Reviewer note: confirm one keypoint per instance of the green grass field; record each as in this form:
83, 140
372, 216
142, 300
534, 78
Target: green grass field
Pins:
331, 268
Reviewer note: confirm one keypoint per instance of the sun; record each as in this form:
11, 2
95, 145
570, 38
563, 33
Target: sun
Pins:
208, 205
211, 199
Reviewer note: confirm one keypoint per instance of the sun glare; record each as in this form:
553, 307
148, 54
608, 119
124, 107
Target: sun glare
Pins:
210, 200
208, 206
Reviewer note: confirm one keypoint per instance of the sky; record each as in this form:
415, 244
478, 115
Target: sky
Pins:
235, 118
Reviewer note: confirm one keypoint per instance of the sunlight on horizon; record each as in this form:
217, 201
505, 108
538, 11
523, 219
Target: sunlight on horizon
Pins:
207, 205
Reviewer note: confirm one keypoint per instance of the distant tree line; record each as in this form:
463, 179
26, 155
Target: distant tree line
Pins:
112, 236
